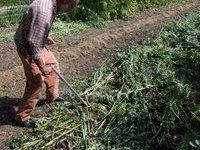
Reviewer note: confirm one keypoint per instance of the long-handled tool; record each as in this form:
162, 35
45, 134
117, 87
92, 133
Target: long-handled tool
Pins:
70, 87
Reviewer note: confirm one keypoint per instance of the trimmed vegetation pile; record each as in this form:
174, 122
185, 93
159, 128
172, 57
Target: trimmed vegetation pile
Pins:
147, 99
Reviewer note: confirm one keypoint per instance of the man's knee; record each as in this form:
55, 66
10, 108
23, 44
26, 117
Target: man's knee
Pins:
35, 81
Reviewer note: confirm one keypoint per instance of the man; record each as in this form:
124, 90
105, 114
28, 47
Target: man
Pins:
30, 39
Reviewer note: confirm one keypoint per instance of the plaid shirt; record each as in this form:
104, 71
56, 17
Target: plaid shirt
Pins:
34, 27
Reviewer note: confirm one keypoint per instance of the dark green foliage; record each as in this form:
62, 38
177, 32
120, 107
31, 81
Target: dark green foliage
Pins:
90, 10
11, 17
184, 34
110, 9
94, 12
13, 2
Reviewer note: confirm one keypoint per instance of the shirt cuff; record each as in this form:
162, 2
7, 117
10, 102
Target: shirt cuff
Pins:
37, 54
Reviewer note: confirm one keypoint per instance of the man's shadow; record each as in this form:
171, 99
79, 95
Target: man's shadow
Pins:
7, 110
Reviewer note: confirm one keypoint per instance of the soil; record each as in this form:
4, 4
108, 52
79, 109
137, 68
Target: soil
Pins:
79, 56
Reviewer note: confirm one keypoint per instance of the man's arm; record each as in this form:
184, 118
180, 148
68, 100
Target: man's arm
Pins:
37, 37
50, 41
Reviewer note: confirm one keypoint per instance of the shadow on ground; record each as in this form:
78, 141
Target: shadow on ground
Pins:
7, 110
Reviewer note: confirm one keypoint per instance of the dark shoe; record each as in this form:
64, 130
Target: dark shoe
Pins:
28, 124
57, 100
41, 103
61, 99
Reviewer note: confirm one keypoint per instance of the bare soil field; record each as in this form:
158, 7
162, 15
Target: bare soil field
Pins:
79, 56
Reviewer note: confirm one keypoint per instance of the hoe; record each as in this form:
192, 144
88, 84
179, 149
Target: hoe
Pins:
83, 102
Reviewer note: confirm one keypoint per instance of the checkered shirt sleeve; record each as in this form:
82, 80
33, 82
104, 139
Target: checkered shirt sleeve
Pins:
39, 30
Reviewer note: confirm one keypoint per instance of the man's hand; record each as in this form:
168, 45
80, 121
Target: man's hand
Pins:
46, 70
50, 41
